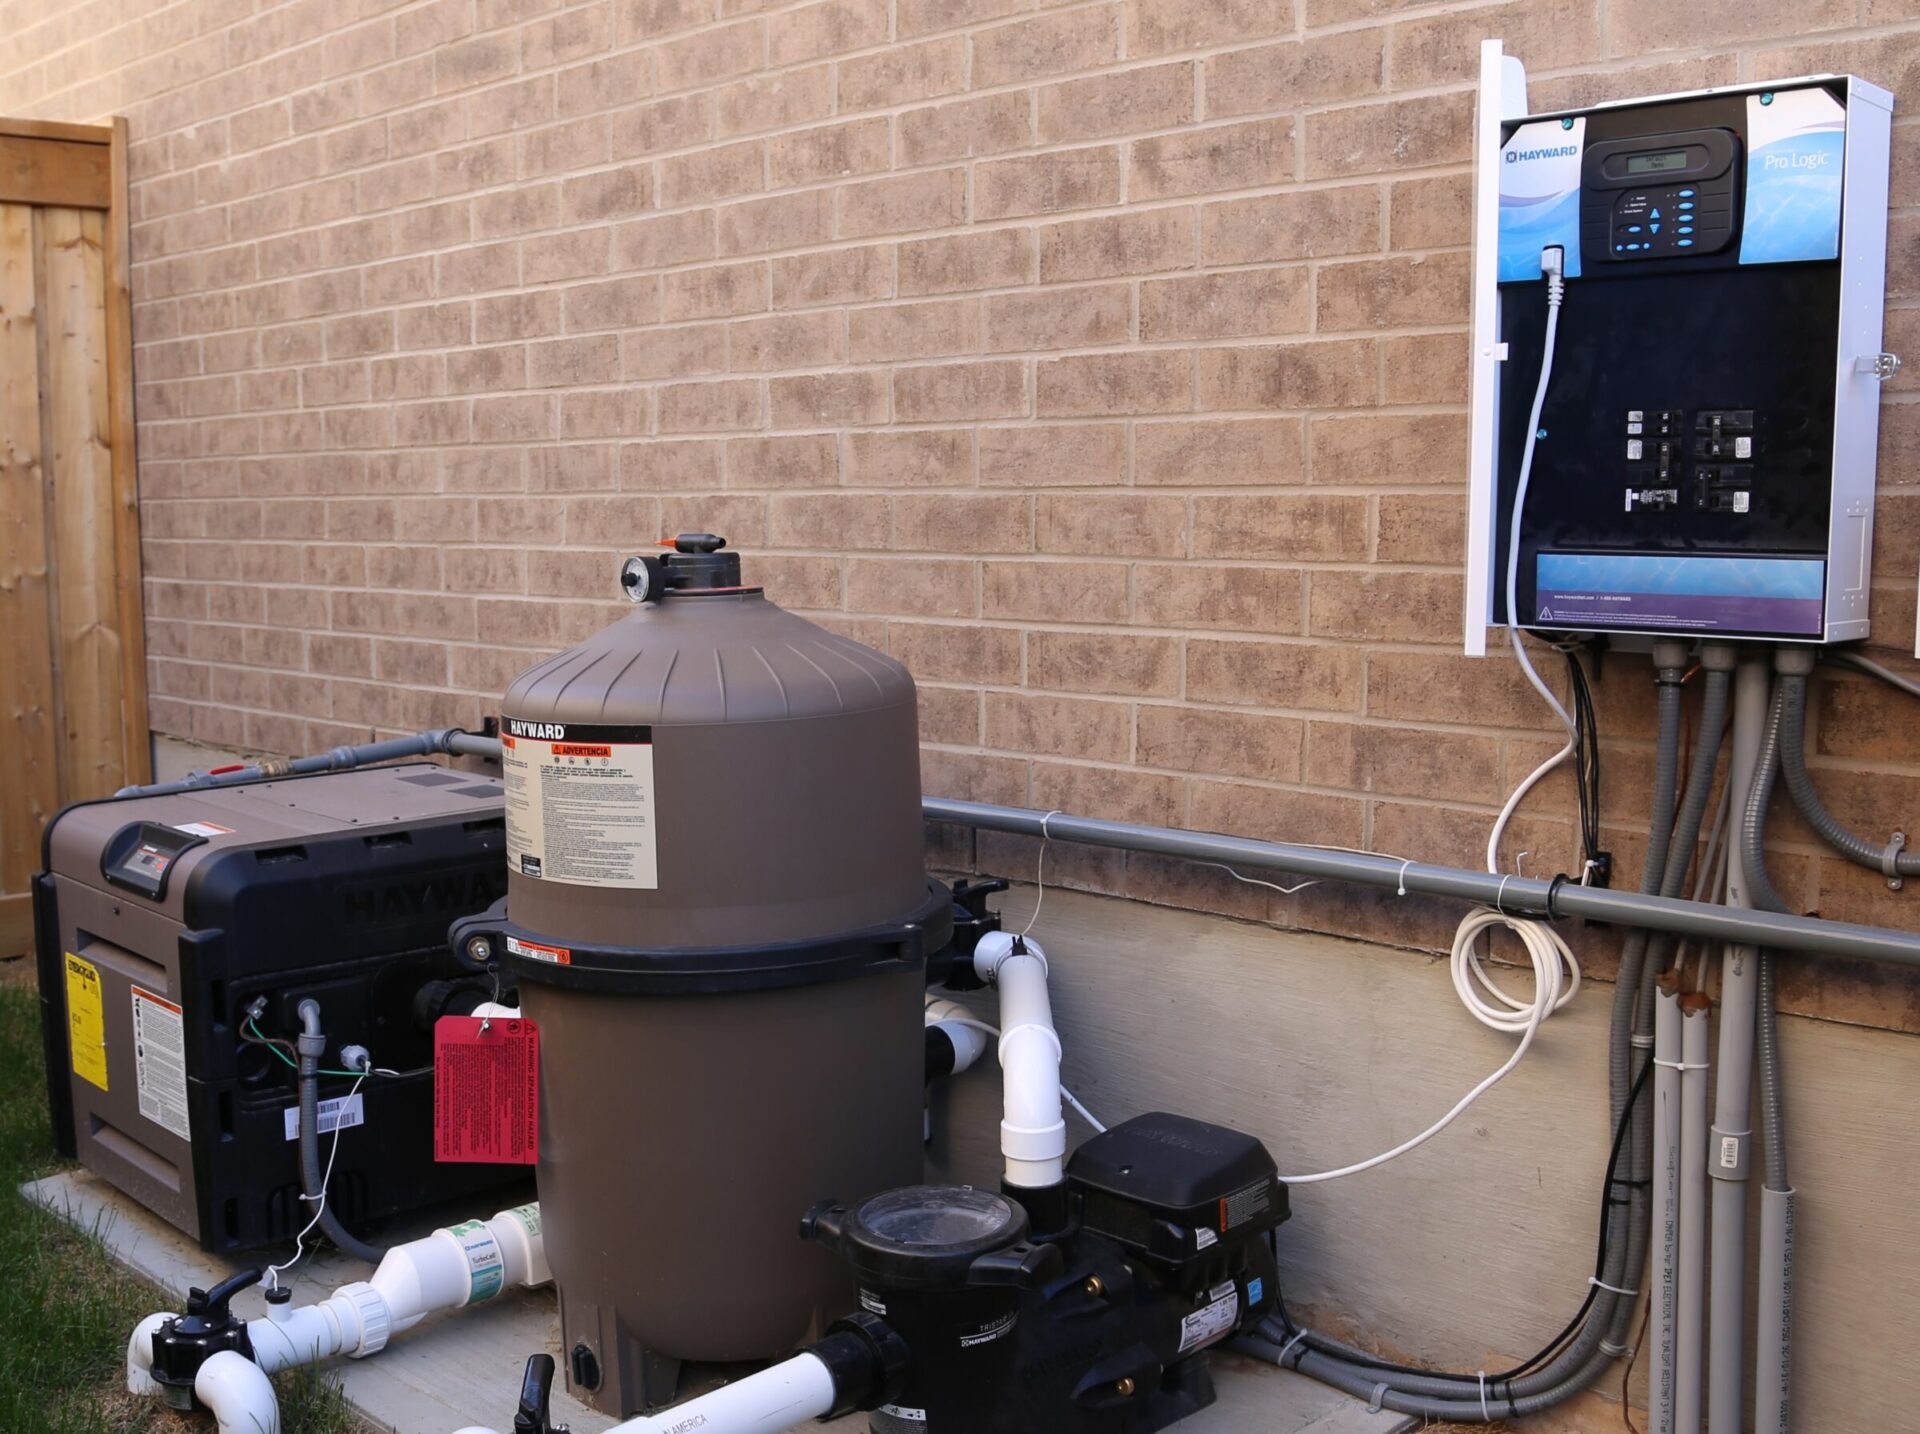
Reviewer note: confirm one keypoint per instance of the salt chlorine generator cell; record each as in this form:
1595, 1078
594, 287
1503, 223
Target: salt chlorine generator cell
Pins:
719, 917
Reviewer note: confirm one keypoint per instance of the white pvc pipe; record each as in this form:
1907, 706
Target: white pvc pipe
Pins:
1690, 1336
1666, 1208
238, 1393
450, 1268
957, 1023
786, 1395
1033, 1127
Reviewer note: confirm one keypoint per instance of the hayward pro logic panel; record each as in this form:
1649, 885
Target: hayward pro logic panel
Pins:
1704, 457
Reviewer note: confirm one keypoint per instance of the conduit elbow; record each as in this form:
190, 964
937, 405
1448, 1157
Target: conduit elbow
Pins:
238, 1393
140, 1378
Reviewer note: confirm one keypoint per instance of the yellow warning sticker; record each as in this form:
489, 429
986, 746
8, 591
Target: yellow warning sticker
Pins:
86, 1021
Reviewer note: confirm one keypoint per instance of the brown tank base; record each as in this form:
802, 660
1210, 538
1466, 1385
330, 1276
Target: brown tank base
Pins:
697, 1131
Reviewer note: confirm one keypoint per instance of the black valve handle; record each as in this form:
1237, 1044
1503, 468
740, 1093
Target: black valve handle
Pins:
536, 1393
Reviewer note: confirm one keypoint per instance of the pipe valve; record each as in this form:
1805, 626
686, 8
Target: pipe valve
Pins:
185, 1342
536, 1393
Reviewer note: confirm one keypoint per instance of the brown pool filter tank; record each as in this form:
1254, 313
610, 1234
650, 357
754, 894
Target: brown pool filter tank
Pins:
718, 916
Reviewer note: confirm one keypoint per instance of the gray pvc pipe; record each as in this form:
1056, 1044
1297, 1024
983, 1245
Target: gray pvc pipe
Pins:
1718, 660
1666, 1210
1690, 1325
1773, 1356
1523, 896
1728, 1154
420, 744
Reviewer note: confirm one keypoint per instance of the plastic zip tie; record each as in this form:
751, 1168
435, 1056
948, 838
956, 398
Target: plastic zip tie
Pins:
1287, 1348
1681, 1065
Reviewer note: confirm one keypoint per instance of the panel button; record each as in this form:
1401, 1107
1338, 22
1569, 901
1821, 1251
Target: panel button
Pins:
1686, 204
1686, 194
1685, 243
1684, 229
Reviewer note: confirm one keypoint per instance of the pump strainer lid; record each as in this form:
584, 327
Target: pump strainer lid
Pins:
925, 1235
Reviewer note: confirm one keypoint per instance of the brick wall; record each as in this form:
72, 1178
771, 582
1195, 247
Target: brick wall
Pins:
1103, 361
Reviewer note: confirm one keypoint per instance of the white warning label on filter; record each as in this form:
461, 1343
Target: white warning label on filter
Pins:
1213, 1319
160, 1062
580, 803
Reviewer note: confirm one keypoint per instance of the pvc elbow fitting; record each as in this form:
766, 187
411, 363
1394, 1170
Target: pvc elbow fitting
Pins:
140, 1378
239, 1393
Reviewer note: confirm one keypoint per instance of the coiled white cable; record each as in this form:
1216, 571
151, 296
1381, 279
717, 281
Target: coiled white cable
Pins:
1556, 974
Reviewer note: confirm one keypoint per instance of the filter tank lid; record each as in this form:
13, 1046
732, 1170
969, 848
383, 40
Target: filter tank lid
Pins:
701, 647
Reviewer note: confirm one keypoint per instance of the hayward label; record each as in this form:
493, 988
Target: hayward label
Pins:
1540, 197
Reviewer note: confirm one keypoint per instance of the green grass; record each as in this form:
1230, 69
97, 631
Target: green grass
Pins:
65, 1306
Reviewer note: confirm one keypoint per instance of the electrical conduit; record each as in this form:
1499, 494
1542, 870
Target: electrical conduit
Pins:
1666, 1205
1728, 1153
1690, 1331
1463, 1397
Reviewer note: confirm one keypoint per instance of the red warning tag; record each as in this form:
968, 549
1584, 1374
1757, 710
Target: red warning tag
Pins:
486, 1090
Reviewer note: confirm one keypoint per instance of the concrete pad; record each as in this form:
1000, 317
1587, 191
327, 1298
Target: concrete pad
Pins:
461, 1369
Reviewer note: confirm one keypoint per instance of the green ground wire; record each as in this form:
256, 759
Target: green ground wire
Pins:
264, 1040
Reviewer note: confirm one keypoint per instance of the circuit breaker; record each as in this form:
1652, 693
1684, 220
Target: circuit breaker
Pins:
1703, 459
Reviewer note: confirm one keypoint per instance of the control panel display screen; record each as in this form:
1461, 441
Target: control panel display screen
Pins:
1656, 163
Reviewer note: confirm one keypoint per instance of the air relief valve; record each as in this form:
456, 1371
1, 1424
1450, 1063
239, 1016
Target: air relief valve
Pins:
1703, 459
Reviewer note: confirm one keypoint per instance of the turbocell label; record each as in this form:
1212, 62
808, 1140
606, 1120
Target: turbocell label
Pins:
1540, 196
160, 1062
1796, 158
580, 803
486, 1266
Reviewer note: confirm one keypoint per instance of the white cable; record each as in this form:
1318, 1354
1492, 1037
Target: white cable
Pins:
1256, 881
1065, 1094
1556, 974
1040, 871
320, 1201
1550, 265
1556, 981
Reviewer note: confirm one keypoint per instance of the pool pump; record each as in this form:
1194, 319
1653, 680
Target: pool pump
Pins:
971, 1323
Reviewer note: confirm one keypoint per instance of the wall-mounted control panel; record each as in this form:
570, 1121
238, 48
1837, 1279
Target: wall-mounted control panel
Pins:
1704, 459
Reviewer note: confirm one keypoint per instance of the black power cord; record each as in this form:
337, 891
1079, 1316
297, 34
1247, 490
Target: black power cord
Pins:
1597, 864
1608, 1200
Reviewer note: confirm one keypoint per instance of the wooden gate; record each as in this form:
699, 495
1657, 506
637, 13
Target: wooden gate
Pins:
73, 696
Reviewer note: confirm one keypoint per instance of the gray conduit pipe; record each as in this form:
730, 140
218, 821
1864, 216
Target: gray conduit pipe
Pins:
1593, 1347
311, 1045
1524, 896
1728, 1153
1690, 1333
1661, 1368
1773, 1359
420, 744
1716, 660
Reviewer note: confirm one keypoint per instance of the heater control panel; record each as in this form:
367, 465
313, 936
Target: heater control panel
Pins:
1704, 456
